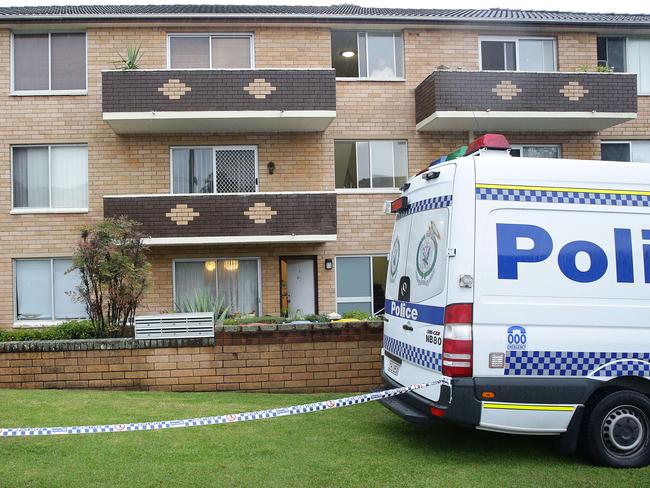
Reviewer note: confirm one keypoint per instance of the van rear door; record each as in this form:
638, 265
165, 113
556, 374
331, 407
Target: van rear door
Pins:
417, 282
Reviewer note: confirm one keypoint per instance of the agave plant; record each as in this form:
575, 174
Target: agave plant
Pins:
132, 59
203, 301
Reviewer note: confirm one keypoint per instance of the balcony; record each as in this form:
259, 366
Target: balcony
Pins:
229, 218
487, 101
182, 101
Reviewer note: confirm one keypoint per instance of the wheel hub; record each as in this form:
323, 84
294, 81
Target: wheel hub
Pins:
624, 430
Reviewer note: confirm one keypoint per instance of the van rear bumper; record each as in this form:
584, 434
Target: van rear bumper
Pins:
464, 409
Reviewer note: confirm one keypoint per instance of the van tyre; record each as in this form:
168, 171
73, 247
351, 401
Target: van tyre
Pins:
618, 430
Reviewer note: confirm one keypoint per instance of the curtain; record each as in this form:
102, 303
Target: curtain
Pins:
536, 55
69, 176
189, 52
33, 289
638, 61
192, 170
31, 177
238, 284
31, 62
381, 55
381, 157
231, 52
68, 61
192, 278
64, 306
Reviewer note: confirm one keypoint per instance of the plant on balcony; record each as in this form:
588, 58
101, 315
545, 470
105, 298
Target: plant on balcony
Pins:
114, 271
204, 301
597, 69
131, 60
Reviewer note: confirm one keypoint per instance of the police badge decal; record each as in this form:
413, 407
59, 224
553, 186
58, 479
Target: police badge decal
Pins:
427, 255
394, 260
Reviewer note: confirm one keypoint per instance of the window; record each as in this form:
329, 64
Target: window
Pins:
54, 62
517, 54
638, 61
611, 53
361, 283
373, 55
50, 177
216, 51
370, 164
228, 169
638, 151
43, 289
236, 280
536, 151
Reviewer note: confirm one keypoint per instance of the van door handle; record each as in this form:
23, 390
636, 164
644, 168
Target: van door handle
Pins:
407, 327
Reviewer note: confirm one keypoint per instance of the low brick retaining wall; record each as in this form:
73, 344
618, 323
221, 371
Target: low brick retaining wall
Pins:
282, 358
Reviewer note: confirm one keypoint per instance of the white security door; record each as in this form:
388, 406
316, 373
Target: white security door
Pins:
301, 287
236, 169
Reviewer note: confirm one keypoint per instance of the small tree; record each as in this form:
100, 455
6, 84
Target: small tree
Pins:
111, 260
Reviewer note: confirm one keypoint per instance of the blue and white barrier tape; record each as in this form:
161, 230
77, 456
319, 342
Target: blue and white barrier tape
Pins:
219, 419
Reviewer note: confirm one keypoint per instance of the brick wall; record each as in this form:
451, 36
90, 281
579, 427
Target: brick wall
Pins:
317, 359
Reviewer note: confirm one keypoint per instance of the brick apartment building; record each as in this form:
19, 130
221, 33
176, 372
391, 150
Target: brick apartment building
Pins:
257, 144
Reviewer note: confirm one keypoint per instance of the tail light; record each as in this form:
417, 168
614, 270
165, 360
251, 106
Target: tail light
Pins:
457, 340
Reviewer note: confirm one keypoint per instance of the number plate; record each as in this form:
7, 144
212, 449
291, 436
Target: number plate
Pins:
393, 367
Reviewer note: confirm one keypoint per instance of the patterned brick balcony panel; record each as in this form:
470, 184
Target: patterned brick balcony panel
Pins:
486, 101
229, 218
265, 100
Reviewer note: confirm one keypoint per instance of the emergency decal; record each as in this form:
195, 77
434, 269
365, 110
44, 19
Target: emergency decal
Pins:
544, 194
516, 338
428, 359
427, 255
394, 259
571, 363
426, 204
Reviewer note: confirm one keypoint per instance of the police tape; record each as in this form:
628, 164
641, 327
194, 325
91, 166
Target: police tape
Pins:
219, 419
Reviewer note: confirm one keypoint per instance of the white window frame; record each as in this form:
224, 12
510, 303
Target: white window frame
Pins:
371, 298
532, 144
625, 38
260, 299
368, 77
22, 93
38, 322
210, 35
49, 209
629, 142
214, 167
516, 40
372, 189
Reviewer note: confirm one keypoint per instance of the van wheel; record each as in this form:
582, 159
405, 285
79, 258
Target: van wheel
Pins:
618, 430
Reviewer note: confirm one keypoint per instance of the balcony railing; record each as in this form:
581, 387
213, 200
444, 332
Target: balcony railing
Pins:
259, 100
524, 101
229, 218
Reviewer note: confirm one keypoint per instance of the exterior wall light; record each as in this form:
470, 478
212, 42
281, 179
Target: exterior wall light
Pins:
271, 167
348, 54
329, 264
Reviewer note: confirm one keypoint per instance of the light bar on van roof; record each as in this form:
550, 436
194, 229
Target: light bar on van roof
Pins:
488, 141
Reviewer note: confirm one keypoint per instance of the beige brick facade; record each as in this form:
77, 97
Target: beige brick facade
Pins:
140, 164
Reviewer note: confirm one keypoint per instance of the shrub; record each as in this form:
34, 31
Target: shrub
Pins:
203, 301
265, 319
74, 329
356, 314
131, 60
317, 318
114, 273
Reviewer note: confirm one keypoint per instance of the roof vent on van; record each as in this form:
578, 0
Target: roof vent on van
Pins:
488, 141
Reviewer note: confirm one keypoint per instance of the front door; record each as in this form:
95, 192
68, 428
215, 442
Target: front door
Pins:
301, 287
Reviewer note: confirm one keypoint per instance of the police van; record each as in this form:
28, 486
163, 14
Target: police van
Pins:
526, 284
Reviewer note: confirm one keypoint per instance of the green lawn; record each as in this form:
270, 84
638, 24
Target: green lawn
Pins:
355, 446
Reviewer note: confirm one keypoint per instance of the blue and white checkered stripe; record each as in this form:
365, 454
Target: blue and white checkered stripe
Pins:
569, 363
426, 204
428, 359
550, 196
220, 419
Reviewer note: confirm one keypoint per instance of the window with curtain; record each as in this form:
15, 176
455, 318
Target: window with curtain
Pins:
43, 289
518, 54
360, 283
50, 177
236, 280
637, 151
536, 151
192, 170
638, 61
49, 62
372, 54
611, 53
216, 51
370, 164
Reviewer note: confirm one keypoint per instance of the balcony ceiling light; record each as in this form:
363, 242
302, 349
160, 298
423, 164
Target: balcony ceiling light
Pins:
210, 266
348, 54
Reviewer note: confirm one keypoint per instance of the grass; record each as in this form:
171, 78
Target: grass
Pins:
364, 445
